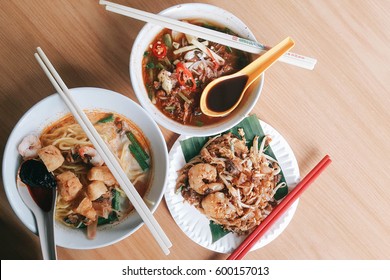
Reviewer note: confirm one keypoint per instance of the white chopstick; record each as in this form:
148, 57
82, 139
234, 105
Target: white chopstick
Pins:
207, 34
101, 147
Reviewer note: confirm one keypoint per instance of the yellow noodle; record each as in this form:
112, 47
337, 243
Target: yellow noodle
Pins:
68, 137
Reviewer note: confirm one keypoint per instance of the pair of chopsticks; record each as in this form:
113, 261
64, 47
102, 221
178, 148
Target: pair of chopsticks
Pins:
279, 210
110, 160
207, 34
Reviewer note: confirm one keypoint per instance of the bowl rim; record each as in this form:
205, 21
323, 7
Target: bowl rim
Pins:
160, 118
159, 177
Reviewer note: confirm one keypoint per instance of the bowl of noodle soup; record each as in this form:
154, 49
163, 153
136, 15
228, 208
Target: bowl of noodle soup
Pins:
168, 72
114, 116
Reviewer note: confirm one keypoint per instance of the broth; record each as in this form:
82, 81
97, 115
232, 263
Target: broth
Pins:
175, 72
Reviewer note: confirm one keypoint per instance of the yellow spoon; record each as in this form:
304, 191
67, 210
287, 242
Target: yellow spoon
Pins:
222, 96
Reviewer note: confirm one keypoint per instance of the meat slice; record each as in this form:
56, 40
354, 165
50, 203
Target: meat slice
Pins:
51, 157
96, 189
85, 208
68, 185
102, 173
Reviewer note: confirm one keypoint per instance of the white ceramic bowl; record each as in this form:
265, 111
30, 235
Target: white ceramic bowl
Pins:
149, 32
51, 109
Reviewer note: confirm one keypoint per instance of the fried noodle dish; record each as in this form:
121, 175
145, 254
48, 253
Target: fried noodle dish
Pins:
232, 185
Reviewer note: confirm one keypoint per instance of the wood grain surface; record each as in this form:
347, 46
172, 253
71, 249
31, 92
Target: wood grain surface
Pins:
341, 108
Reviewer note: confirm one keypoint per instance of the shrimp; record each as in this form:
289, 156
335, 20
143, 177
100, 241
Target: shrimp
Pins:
202, 177
217, 206
89, 154
29, 146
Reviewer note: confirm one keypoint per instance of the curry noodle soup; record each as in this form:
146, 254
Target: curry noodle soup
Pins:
177, 67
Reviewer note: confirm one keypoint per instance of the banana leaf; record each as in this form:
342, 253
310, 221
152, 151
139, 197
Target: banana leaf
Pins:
191, 147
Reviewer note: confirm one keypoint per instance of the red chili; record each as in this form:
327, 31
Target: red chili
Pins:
185, 77
159, 49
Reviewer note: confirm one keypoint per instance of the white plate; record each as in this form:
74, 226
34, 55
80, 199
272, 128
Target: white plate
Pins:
196, 226
51, 109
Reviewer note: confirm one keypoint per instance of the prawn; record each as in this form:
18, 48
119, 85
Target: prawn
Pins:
217, 206
89, 154
202, 177
29, 146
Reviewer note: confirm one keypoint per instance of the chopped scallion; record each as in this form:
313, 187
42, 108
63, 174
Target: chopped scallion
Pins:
137, 151
138, 157
108, 118
134, 141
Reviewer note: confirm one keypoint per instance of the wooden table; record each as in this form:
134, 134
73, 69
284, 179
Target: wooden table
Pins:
341, 109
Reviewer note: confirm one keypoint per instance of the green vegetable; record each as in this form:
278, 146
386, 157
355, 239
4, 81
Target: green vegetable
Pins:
209, 26
138, 157
112, 217
251, 125
167, 62
228, 31
167, 40
115, 200
134, 141
150, 91
137, 151
108, 118
150, 65
151, 74
80, 225
160, 66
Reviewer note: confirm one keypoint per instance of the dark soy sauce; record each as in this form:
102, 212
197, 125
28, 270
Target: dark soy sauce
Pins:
43, 197
40, 183
224, 95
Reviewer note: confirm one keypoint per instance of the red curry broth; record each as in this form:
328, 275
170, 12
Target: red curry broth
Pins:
175, 77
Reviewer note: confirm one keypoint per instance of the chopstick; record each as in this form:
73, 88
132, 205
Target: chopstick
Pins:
279, 210
101, 147
208, 34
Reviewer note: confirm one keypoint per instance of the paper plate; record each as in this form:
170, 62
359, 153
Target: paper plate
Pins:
196, 225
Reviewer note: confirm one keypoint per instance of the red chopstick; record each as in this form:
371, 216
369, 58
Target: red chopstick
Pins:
279, 210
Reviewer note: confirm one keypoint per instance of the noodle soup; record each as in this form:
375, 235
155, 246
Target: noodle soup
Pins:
177, 67
88, 194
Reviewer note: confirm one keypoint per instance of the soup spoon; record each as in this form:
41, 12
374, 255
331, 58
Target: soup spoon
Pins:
44, 215
222, 95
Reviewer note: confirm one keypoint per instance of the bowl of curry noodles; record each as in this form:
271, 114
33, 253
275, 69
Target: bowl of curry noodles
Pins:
169, 72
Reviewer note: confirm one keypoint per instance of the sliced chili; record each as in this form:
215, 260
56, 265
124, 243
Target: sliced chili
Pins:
184, 76
159, 49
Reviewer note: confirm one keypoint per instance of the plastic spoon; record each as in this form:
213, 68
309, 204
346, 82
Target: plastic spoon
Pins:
44, 219
222, 96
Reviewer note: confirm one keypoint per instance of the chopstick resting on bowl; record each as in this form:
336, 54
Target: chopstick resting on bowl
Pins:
110, 160
279, 210
208, 34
